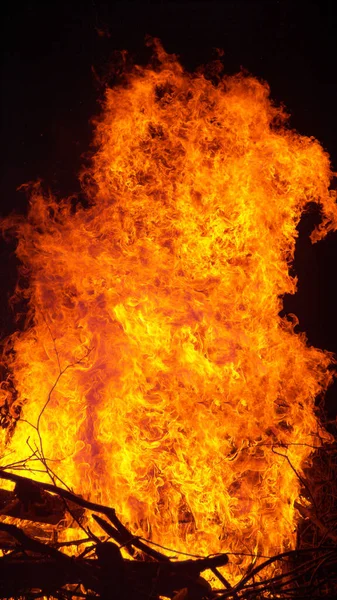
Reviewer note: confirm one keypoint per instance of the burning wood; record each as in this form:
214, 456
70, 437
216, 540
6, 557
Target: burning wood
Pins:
32, 568
155, 373
34, 565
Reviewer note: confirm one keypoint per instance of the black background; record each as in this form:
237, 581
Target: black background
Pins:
49, 94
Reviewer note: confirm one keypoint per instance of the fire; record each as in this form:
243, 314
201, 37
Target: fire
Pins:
154, 362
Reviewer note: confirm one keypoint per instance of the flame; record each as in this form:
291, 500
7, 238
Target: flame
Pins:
154, 360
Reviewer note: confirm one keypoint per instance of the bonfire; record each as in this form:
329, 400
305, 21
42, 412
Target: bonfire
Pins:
161, 435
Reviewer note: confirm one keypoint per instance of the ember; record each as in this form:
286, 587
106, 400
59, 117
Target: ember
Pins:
155, 374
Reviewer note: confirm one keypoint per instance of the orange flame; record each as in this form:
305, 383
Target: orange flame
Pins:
182, 398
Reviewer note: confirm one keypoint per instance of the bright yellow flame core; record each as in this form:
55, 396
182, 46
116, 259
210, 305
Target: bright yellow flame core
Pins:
174, 278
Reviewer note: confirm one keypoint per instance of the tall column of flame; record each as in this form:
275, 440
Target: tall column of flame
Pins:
155, 310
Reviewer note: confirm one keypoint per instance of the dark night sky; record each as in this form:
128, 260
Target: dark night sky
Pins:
49, 94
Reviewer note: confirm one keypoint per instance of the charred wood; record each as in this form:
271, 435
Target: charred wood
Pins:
29, 502
37, 566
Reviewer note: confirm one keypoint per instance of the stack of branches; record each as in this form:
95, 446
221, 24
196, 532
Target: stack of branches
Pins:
32, 568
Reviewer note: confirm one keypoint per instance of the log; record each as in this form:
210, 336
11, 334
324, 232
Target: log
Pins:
31, 503
7, 542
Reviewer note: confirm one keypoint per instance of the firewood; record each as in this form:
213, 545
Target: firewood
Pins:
128, 541
35, 552
34, 564
125, 537
31, 503
109, 575
7, 542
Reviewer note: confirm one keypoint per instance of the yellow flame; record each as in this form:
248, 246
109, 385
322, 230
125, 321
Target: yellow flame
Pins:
185, 389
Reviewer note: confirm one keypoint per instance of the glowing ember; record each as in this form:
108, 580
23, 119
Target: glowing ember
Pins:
194, 388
